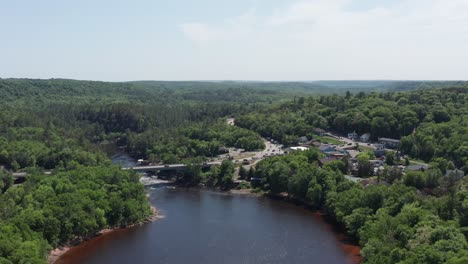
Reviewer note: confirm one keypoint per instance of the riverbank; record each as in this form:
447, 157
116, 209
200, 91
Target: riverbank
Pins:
55, 254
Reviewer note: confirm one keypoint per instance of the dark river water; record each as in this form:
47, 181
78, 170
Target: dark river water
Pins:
201, 226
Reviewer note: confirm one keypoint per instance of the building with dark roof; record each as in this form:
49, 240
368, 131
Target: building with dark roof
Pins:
389, 142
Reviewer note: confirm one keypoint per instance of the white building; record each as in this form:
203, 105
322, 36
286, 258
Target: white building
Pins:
299, 148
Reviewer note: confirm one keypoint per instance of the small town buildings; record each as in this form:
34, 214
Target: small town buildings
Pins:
389, 142
326, 148
302, 140
332, 151
335, 153
364, 137
353, 135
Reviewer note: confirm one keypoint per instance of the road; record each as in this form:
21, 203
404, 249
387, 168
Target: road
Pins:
271, 149
348, 141
253, 157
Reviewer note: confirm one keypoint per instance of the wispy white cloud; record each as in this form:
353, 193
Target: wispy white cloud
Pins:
306, 11
326, 39
232, 28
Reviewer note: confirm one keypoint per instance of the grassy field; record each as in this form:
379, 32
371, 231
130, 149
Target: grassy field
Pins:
364, 148
329, 140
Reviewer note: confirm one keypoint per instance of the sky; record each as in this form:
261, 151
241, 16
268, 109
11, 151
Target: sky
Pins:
269, 40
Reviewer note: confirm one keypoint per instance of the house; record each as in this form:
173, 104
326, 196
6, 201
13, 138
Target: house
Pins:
319, 132
364, 137
389, 142
353, 135
379, 153
376, 163
326, 148
457, 174
335, 154
299, 148
302, 139
417, 167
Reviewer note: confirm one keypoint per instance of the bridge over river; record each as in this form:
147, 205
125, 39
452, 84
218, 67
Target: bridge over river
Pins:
166, 167
169, 167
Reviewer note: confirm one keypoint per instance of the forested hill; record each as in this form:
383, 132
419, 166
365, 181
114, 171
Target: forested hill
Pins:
306, 87
389, 86
136, 92
37, 90
431, 123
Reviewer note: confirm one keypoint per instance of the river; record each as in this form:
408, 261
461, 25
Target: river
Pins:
201, 226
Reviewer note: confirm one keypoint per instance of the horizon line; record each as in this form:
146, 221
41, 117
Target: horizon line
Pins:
245, 80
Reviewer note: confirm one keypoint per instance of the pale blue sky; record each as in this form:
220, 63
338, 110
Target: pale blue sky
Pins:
116, 40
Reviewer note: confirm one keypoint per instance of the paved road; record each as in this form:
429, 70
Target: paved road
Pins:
348, 141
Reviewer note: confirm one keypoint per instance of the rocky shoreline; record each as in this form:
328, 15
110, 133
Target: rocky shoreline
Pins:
55, 254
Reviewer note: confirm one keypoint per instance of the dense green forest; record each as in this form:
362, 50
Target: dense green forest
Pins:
62, 126
432, 123
393, 223
195, 141
45, 212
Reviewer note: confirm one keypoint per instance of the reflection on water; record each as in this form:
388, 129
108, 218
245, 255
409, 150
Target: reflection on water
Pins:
209, 227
